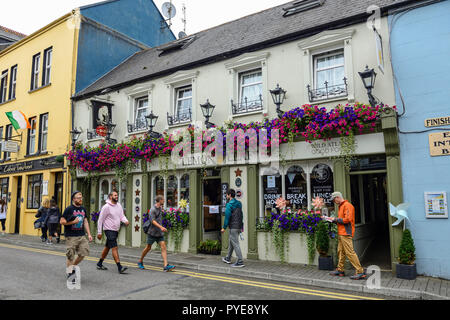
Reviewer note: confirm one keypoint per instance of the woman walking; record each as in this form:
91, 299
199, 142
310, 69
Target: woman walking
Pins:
53, 217
3, 215
42, 215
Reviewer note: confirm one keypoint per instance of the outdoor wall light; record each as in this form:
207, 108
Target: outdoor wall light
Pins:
75, 133
151, 122
278, 95
368, 78
208, 110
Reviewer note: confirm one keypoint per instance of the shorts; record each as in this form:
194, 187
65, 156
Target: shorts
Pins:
52, 229
77, 245
111, 238
151, 240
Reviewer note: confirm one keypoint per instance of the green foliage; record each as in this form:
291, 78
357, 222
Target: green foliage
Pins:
311, 239
407, 250
279, 240
210, 247
348, 149
322, 239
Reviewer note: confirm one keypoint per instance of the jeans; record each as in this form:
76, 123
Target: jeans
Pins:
234, 245
3, 224
44, 232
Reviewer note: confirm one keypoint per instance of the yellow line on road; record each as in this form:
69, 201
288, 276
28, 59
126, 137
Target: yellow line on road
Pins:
285, 288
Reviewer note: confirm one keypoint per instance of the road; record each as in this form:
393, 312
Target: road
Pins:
37, 274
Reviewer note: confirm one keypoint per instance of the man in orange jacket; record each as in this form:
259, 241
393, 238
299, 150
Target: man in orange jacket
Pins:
346, 232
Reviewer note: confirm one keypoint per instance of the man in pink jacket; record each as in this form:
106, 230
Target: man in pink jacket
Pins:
109, 220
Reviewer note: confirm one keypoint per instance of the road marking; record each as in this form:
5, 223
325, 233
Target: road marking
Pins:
271, 286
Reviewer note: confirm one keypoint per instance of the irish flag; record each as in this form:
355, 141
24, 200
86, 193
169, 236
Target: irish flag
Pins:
18, 120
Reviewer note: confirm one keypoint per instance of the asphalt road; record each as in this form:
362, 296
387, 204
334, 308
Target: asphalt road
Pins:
36, 274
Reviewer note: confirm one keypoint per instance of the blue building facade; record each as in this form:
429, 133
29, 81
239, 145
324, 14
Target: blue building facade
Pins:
112, 31
420, 50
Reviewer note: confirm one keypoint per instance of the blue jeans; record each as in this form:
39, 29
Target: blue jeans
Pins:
234, 245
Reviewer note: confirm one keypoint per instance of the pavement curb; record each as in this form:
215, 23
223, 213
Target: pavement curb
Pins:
322, 283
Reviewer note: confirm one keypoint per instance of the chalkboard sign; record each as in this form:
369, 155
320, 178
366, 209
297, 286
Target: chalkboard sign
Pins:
225, 187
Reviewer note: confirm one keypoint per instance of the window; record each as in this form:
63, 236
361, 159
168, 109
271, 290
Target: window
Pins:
34, 196
31, 146
12, 83
158, 187
140, 112
47, 66
4, 184
184, 188
272, 190
183, 106
329, 76
3, 86
35, 72
43, 132
1, 137
250, 92
322, 184
172, 192
8, 135
296, 188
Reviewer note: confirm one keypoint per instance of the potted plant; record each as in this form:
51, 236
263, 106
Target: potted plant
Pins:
406, 268
322, 246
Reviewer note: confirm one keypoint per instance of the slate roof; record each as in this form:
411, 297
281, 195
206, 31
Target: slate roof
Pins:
9, 37
250, 33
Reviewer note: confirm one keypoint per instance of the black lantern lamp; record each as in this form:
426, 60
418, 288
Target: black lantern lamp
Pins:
75, 133
110, 130
151, 123
208, 110
368, 77
278, 95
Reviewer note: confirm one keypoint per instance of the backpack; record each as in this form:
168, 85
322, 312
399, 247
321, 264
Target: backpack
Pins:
146, 225
236, 221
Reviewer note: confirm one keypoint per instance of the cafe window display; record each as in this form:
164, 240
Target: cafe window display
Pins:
175, 189
298, 184
172, 192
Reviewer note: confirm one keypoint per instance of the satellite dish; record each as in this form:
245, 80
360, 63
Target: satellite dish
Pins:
168, 10
182, 34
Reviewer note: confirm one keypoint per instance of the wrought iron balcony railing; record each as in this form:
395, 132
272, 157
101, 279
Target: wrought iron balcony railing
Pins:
328, 92
92, 134
179, 118
137, 126
247, 106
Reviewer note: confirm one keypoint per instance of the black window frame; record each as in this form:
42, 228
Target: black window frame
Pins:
7, 155
46, 77
4, 86
40, 140
32, 181
35, 85
12, 93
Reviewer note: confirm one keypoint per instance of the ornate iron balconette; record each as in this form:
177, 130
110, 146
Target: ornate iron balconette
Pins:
328, 92
247, 106
137, 126
179, 118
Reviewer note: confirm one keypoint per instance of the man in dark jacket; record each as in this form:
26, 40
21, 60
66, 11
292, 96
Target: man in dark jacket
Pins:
235, 221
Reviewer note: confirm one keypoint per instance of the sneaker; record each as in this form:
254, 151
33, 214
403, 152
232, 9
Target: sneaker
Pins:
72, 277
141, 266
359, 276
122, 270
58, 240
101, 267
238, 265
226, 260
337, 273
49, 242
168, 268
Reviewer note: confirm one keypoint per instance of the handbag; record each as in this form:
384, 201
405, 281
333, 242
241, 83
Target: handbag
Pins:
38, 224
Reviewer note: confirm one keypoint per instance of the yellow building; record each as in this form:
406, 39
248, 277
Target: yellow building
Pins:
38, 79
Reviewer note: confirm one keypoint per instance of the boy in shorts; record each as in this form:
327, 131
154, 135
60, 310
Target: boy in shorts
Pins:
156, 234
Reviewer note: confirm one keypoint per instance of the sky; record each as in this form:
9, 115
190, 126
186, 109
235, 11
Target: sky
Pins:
200, 14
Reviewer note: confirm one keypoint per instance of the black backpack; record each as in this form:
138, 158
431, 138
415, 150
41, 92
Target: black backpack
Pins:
236, 221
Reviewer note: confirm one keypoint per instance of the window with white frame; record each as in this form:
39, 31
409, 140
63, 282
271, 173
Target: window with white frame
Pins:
47, 66
35, 71
3, 86
329, 76
141, 110
31, 147
12, 84
183, 106
43, 132
250, 92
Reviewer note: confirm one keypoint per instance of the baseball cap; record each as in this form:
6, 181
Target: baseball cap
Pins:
75, 193
336, 194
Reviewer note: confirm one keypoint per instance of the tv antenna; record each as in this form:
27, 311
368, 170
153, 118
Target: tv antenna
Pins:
169, 11
184, 20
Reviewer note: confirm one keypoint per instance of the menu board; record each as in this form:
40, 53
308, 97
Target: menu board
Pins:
322, 184
436, 205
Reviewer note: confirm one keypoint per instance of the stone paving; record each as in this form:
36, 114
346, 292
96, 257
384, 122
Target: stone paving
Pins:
425, 288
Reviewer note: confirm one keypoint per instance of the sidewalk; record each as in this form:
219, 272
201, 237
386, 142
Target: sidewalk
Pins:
425, 288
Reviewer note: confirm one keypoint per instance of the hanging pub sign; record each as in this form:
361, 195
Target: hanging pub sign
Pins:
10, 146
440, 144
102, 114
322, 184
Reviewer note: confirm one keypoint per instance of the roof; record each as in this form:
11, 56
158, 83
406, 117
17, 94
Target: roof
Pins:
254, 32
11, 33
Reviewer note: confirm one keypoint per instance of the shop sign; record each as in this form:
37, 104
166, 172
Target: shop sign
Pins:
437, 122
439, 144
10, 146
322, 184
34, 165
224, 196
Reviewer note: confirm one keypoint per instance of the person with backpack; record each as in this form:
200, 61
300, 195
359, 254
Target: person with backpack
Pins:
52, 221
234, 219
42, 215
155, 233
